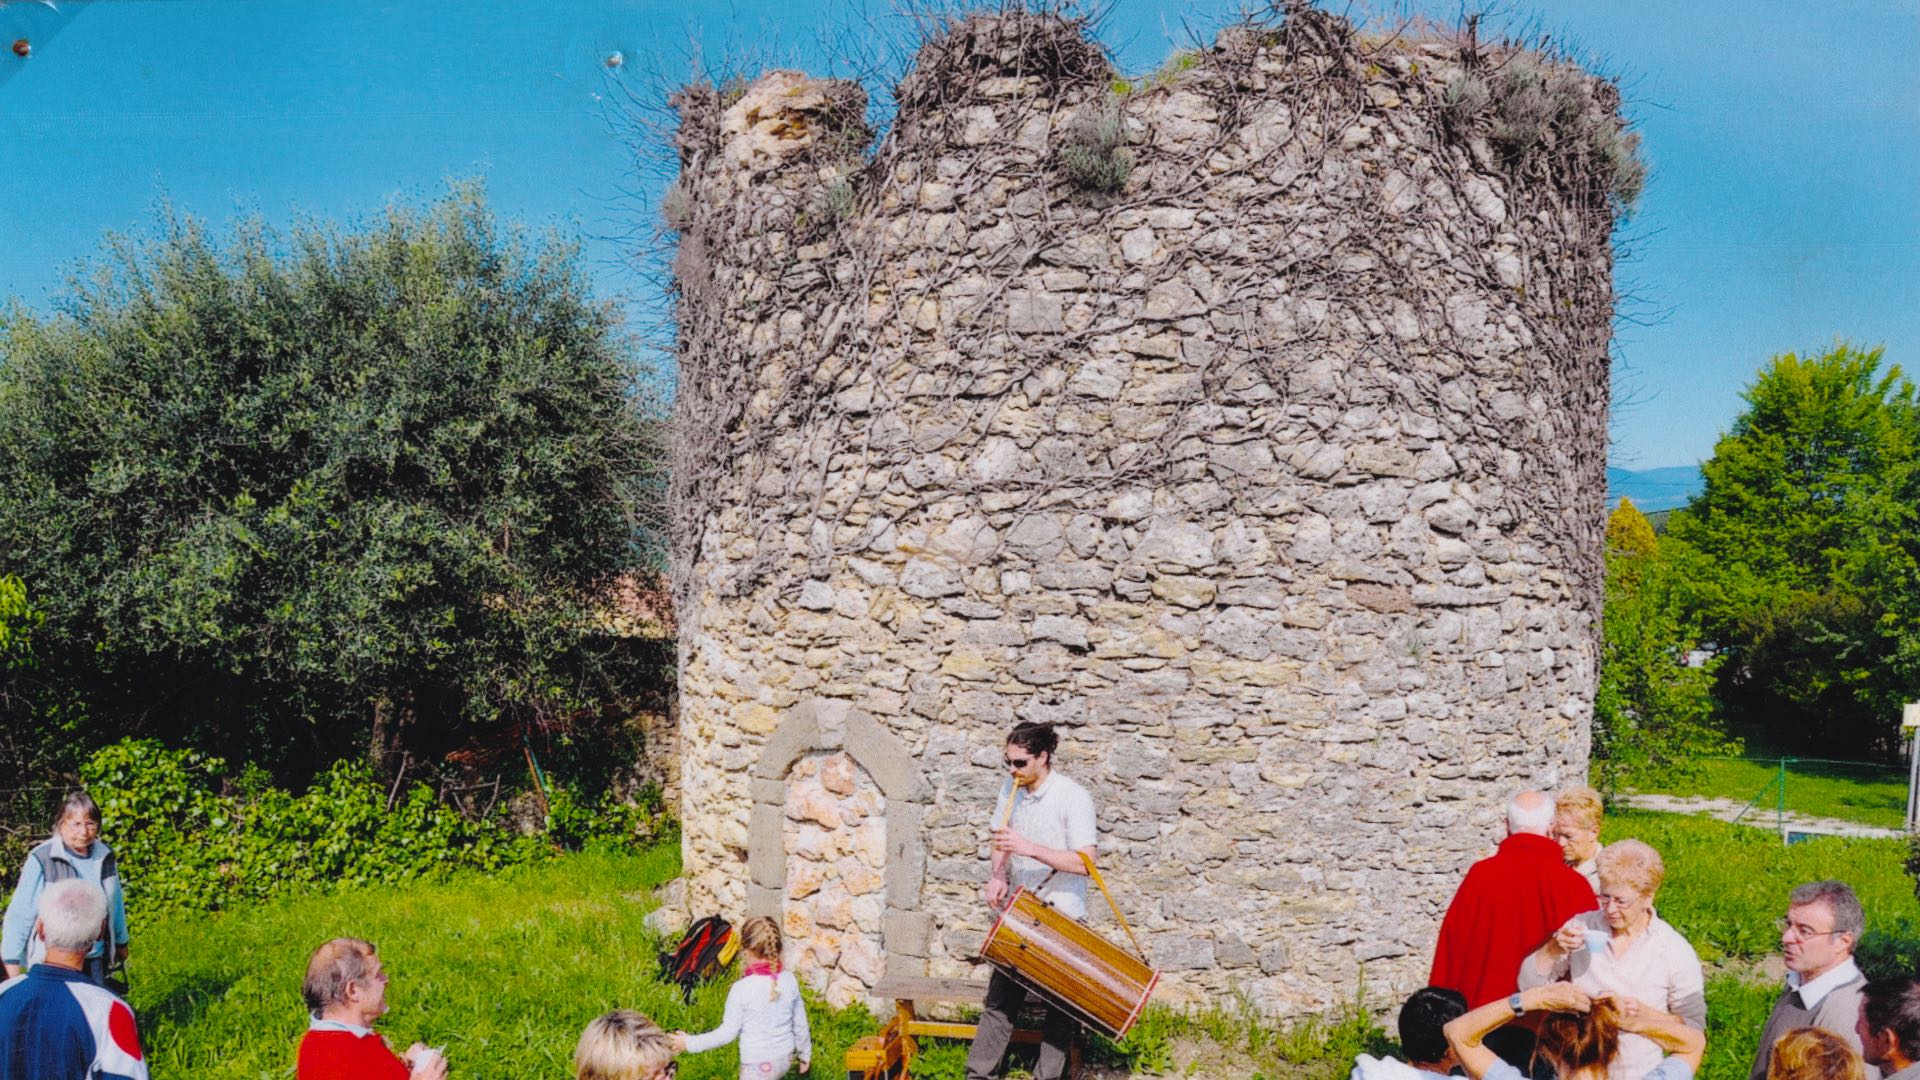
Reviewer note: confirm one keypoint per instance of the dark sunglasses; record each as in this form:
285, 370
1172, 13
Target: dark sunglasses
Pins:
1018, 763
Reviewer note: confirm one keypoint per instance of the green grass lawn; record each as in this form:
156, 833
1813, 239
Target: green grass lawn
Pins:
1725, 886
504, 971
1869, 794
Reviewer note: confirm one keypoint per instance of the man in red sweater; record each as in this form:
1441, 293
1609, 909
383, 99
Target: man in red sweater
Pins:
346, 991
1509, 903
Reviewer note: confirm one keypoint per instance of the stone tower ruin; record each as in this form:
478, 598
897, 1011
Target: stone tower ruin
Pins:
1247, 420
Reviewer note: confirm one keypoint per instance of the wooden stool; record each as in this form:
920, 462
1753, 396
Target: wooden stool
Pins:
887, 1055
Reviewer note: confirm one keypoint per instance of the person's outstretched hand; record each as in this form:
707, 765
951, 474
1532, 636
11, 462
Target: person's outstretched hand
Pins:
1562, 997
1635, 1015
424, 1063
679, 1042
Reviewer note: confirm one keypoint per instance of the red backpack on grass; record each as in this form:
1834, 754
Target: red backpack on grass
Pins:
704, 951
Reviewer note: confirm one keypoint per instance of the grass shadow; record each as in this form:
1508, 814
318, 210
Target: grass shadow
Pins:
179, 1004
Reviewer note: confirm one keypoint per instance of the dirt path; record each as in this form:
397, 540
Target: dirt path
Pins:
1762, 817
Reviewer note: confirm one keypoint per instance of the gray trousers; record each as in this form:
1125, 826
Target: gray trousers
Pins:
1004, 998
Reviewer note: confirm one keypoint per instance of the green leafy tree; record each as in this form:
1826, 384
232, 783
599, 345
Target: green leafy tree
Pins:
1654, 715
292, 493
1887, 564
17, 622
1802, 522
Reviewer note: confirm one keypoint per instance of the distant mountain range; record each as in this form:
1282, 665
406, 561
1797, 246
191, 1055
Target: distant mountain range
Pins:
1654, 489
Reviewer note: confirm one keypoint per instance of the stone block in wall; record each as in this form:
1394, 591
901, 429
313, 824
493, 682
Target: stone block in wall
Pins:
907, 932
1182, 952
767, 870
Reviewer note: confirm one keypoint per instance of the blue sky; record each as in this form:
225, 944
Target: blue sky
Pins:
1783, 210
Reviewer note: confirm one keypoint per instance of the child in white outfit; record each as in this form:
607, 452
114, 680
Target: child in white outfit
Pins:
764, 1010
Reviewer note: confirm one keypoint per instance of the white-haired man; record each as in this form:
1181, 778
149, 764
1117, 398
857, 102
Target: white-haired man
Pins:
1509, 903
55, 1024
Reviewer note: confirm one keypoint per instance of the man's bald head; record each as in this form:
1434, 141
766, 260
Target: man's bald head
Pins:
1530, 812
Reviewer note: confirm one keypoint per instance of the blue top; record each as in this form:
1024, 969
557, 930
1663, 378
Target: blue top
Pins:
1671, 1068
16, 930
57, 1025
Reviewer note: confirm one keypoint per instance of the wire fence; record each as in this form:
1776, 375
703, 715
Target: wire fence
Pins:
1797, 796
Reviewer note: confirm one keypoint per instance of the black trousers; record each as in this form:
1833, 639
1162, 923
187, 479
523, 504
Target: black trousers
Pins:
1004, 998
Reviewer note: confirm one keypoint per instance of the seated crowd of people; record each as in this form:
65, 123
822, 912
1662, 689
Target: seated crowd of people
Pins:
1552, 962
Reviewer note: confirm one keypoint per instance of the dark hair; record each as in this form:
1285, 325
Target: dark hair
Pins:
1894, 1005
1034, 738
77, 800
1575, 1041
1423, 1017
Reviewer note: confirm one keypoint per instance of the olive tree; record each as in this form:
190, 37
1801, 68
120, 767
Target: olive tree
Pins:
288, 493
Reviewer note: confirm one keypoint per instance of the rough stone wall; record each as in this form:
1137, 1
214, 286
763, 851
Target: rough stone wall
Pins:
835, 843
1274, 475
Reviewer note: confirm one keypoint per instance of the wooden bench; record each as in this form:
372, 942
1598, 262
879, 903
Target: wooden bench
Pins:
887, 1055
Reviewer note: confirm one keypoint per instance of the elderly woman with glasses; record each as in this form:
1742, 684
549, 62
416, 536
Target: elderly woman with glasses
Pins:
1576, 828
75, 850
1625, 949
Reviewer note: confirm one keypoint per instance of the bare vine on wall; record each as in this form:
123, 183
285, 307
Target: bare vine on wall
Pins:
825, 360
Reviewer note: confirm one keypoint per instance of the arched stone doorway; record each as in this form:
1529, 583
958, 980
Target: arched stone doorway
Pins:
825, 750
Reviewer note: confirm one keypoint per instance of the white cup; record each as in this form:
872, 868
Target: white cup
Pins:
1597, 942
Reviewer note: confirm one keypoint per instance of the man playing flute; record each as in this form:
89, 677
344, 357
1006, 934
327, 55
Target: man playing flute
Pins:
1043, 823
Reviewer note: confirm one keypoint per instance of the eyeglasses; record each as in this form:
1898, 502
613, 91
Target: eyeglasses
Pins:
1018, 763
1802, 931
1608, 900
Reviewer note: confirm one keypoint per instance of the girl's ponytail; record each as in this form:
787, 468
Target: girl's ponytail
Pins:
761, 937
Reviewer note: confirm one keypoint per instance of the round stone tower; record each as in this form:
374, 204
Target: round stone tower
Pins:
1248, 421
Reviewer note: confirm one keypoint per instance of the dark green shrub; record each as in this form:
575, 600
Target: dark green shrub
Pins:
186, 844
574, 822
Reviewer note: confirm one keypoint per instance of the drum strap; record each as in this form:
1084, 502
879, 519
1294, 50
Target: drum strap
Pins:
1094, 873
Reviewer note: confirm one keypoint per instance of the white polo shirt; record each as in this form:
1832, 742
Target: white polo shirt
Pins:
1056, 814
